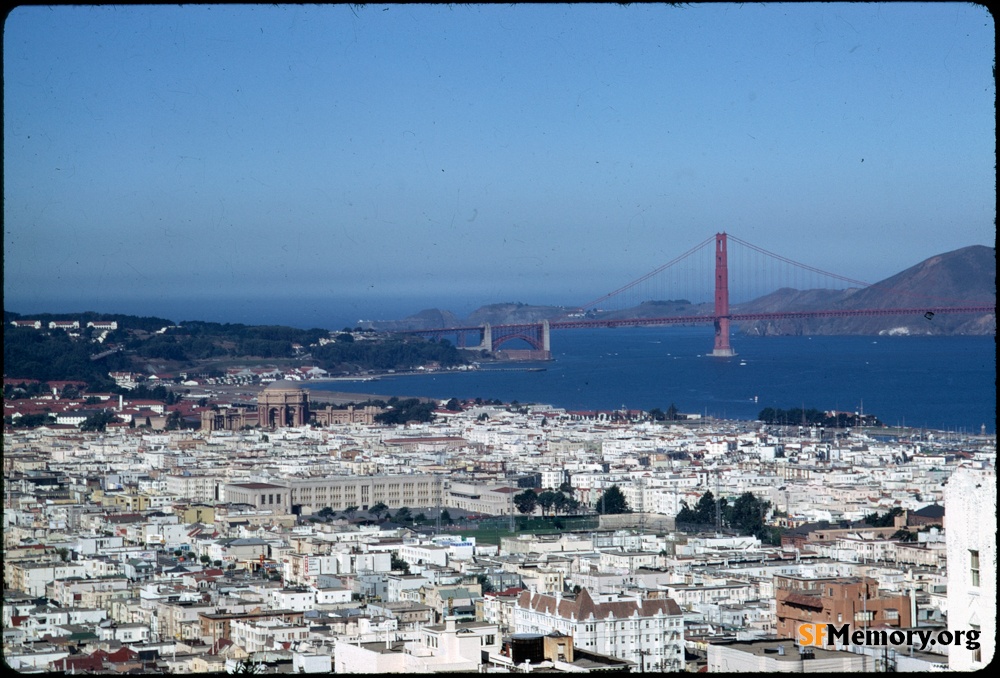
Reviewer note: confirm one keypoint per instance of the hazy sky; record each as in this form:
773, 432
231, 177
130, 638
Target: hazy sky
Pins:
409, 156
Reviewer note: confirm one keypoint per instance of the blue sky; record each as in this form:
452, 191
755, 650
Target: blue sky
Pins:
384, 159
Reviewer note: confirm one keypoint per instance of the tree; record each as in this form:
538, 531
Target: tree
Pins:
174, 420
747, 514
205, 559
403, 515
485, 583
559, 502
526, 501
887, 519
350, 510
446, 517
671, 414
546, 500
453, 405
98, 421
378, 509
397, 563
572, 505
705, 509
612, 502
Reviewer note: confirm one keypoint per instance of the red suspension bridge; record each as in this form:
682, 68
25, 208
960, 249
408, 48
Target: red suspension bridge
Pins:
634, 305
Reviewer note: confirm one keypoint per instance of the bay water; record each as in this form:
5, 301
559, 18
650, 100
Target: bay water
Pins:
943, 383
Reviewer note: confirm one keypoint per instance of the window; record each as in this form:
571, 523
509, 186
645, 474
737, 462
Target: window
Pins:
974, 566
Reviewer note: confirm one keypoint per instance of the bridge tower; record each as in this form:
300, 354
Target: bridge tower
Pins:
487, 343
722, 348
546, 340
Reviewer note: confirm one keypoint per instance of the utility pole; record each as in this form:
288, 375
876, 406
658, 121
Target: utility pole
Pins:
641, 505
437, 522
718, 506
510, 508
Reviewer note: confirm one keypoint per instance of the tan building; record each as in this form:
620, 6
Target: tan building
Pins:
195, 513
282, 403
262, 496
339, 492
350, 415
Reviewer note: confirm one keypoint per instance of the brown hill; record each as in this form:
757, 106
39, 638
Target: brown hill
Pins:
964, 277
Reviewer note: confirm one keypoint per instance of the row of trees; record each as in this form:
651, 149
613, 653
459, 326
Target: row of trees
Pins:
611, 502
814, 417
672, 414
380, 511
551, 502
747, 515
887, 519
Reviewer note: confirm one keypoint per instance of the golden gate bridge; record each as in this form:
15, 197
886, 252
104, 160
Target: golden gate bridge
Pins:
671, 277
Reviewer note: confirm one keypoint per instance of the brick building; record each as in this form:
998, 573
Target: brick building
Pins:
838, 600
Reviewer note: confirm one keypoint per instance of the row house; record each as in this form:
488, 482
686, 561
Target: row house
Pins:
730, 593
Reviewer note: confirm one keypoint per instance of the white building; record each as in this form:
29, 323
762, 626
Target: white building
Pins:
266, 634
448, 647
970, 500
649, 632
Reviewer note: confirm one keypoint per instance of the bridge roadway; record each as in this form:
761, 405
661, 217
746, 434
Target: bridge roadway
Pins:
736, 317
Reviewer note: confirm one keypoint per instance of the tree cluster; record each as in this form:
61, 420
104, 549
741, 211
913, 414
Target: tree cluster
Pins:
55, 356
887, 519
672, 414
747, 515
406, 410
391, 354
612, 502
813, 417
551, 502
30, 420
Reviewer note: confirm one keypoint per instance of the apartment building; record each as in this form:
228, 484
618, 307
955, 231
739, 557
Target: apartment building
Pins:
648, 632
839, 600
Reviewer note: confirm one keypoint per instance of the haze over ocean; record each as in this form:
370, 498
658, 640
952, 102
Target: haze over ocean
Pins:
385, 159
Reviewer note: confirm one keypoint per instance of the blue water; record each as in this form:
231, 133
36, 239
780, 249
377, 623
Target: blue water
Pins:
946, 383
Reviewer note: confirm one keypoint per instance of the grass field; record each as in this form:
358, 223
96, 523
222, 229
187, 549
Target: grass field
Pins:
491, 531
